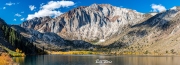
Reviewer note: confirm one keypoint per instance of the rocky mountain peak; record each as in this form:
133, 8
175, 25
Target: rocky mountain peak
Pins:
175, 8
108, 26
94, 22
97, 6
36, 22
153, 13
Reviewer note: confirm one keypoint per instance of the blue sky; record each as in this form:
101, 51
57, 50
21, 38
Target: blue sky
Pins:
16, 11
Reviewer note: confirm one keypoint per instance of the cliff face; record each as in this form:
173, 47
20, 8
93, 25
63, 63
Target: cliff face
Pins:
113, 27
50, 41
158, 34
96, 22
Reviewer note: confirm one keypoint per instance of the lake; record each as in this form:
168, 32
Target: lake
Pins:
97, 60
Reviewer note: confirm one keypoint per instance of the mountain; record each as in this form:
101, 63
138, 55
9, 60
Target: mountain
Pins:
2, 41
118, 30
11, 40
97, 22
157, 35
49, 40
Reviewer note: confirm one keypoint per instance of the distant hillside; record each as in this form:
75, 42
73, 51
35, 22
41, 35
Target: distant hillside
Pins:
98, 27
12, 40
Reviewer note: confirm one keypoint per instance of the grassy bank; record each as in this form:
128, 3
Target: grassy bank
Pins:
75, 52
16, 53
105, 53
141, 53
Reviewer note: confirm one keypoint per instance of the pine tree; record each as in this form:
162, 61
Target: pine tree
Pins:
6, 31
18, 41
3, 27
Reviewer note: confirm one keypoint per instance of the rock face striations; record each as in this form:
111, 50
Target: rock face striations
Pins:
97, 22
108, 26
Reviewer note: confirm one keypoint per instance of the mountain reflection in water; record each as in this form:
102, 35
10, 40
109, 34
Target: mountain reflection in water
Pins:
91, 60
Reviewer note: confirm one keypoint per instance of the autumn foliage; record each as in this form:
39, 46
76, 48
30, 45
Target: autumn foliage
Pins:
5, 59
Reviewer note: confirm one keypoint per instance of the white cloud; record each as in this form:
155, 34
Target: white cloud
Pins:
22, 12
14, 20
32, 7
158, 8
57, 4
43, 13
173, 8
4, 7
50, 9
10, 4
22, 19
18, 15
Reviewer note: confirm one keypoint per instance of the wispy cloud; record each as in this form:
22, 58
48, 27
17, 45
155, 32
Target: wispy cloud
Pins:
50, 9
10, 3
4, 7
22, 12
22, 19
32, 7
158, 8
18, 15
14, 20
173, 8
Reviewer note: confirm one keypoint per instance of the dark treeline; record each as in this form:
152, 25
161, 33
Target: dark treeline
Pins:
18, 41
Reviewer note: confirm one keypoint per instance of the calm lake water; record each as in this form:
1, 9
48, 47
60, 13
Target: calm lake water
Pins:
97, 60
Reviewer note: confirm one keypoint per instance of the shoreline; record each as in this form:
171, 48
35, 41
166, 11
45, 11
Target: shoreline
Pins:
105, 53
